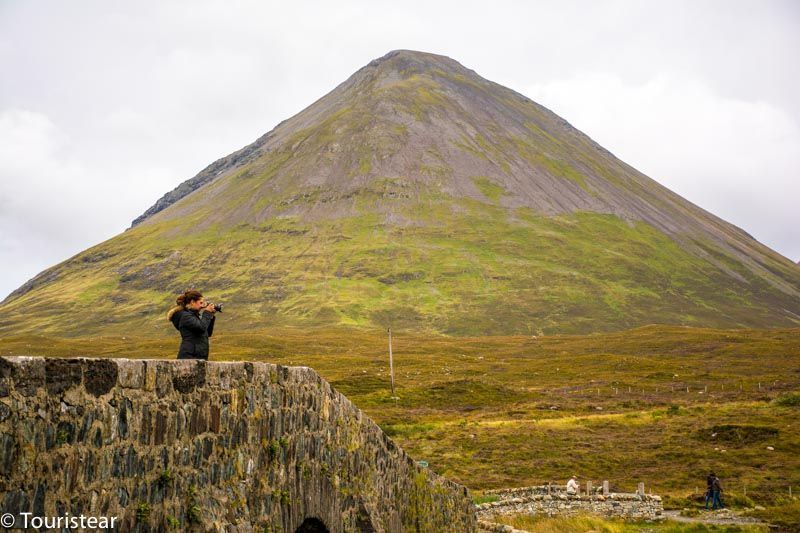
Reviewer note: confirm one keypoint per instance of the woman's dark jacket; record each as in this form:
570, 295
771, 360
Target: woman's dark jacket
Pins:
195, 330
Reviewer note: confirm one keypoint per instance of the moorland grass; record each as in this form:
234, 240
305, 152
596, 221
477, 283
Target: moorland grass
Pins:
492, 412
583, 524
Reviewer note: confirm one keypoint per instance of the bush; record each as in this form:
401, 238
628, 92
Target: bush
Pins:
272, 450
788, 400
142, 512
193, 514
164, 479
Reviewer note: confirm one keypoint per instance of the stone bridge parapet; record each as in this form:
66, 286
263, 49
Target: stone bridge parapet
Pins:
211, 446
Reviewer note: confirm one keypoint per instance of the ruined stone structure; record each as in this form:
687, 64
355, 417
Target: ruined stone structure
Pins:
208, 446
551, 500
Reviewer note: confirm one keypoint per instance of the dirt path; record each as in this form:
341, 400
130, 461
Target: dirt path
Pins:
724, 517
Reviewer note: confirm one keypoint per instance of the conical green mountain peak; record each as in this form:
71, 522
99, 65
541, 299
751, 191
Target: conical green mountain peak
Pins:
419, 195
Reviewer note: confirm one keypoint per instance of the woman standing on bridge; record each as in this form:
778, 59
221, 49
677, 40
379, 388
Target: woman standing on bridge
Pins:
195, 328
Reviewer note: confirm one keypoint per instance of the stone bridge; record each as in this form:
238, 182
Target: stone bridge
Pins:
206, 446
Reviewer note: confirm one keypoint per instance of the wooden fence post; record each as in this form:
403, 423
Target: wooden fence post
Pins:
391, 361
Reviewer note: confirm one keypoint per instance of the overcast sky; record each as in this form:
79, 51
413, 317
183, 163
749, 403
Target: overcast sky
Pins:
105, 106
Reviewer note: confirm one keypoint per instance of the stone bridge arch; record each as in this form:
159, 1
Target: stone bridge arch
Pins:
312, 525
200, 444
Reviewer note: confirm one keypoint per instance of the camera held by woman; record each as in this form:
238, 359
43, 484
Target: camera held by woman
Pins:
194, 318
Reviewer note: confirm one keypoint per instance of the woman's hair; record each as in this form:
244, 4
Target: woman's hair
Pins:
187, 297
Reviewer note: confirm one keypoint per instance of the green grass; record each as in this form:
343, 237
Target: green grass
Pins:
494, 412
784, 512
788, 400
583, 524
488, 188
479, 499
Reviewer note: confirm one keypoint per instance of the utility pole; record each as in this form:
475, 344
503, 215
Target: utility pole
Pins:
391, 361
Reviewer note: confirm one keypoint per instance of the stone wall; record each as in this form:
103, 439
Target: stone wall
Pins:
208, 446
554, 501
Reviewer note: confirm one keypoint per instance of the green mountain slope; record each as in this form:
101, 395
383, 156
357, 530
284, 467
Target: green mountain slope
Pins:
419, 195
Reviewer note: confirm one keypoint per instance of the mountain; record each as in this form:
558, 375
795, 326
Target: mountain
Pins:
419, 195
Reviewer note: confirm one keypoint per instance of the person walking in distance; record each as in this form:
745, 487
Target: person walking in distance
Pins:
709, 487
716, 494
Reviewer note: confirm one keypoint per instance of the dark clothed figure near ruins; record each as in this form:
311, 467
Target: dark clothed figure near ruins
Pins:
709, 487
194, 318
716, 494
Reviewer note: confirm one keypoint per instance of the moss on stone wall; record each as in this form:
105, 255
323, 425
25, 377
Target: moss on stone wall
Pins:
178, 444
